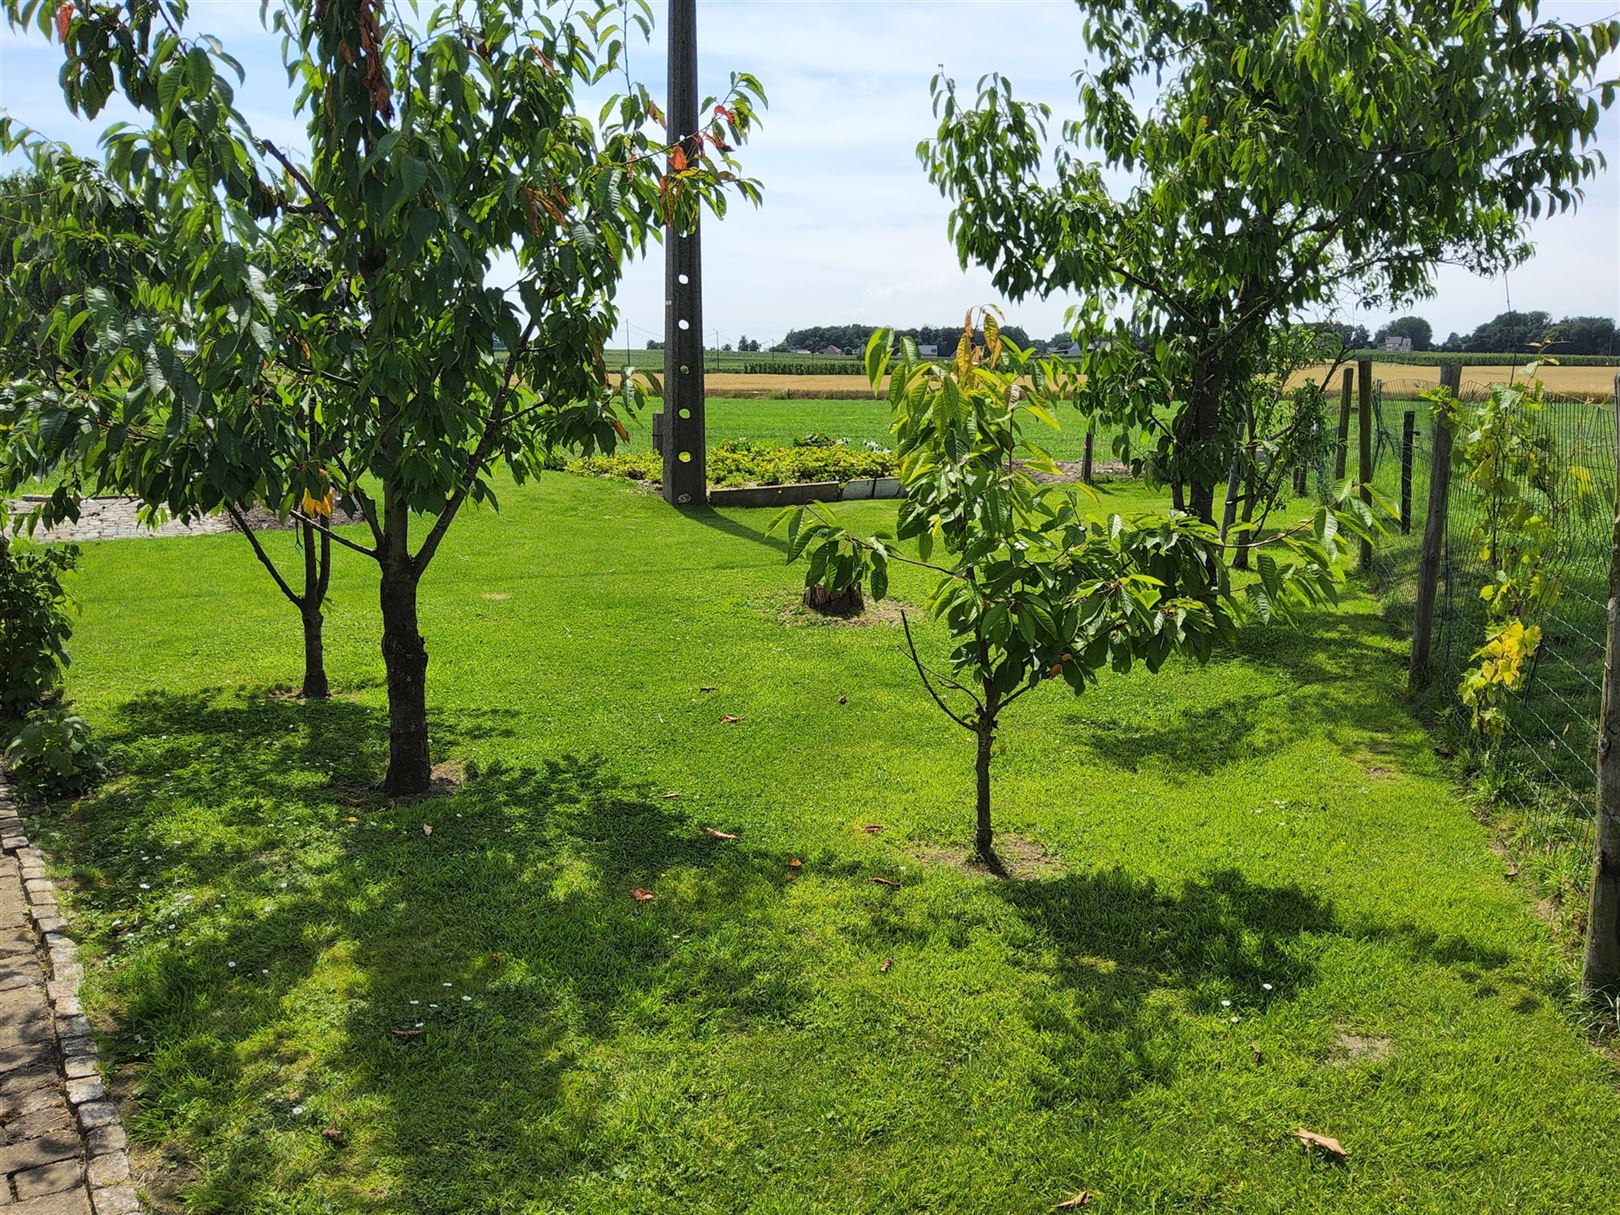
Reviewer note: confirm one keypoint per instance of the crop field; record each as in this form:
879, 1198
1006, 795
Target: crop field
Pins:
1401, 379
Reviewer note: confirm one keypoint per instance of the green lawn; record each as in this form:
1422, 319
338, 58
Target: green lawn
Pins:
741, 1043
857, 422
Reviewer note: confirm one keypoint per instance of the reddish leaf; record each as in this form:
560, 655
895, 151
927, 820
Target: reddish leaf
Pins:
618, 426
795, 863
716, 833
64, 17
333, 1136
1083, 1199
1327, 1143
882, 881
677, 158
642, 896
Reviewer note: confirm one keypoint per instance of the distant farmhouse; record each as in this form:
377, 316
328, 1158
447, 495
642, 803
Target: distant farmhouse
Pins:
838, 350
927, 350
1402, 344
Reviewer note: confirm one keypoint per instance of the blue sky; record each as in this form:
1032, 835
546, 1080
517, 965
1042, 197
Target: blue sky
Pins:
850, 229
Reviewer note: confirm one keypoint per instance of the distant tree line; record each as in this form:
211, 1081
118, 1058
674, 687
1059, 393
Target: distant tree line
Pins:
853, 338
1506, 333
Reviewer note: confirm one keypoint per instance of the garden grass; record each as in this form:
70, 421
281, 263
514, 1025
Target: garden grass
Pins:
774, 1031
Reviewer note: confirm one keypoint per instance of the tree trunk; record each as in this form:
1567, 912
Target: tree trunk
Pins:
847, 602
983, 840
1085, 460
1601, 968
1178, 495
1251, 491
405, 657
316, 686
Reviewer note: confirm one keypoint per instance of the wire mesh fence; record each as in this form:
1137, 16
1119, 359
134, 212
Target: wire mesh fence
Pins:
1541, 775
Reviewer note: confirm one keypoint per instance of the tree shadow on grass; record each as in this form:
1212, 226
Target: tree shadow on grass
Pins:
1339, 687
458, 978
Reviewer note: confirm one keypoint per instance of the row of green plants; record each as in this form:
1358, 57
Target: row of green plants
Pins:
740, 462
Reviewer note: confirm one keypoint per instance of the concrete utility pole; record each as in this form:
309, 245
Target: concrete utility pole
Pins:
680, 429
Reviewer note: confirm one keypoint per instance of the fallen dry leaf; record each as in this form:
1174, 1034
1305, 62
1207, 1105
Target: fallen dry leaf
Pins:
351, 819
1083, 1199
729, 720
795, 863
406, 1033
843, 700
1327, 1143
716, 833
333, 1135
883, 966
708, 687
872, 828
642, 896
497, 957
881, 881
667, 796
427, 828
1255, 1047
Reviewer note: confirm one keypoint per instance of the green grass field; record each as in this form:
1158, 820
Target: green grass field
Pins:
1254, 903
856, 421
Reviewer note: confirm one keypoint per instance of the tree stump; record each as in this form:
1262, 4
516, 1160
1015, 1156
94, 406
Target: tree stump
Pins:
846, 603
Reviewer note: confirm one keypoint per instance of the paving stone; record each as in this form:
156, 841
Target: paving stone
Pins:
103, 1139
67, 1005
97, 1113
49, 1179
108, 1169
68, 1202
24, 1057
41, 1100
117, 1200
79, 1066
54, 1120
88, 1089
50, 923
31, 1153
77, 1026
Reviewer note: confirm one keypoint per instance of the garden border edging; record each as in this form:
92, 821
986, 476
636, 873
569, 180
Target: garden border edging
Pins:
104, 1159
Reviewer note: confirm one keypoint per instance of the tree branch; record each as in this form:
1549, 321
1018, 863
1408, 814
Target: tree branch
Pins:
264, 558
923, 673
486, 444
326, 530
297, 175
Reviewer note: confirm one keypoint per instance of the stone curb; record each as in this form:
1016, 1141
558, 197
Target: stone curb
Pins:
105, 1161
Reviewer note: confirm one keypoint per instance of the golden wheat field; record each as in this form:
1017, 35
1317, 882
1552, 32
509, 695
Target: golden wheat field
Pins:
1400, 380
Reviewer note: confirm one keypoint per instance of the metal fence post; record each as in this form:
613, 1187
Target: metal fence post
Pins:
1364, 470
1408, 427
1434, 534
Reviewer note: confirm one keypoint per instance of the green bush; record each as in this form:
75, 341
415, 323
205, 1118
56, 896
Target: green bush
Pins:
739, 462
54, 755
34, 627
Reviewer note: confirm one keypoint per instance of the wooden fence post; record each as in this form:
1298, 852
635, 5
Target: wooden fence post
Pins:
1408, 427
1364, 470
1600, 967
1344, 427
1434, 535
